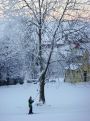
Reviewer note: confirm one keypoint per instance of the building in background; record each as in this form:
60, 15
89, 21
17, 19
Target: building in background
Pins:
78, 69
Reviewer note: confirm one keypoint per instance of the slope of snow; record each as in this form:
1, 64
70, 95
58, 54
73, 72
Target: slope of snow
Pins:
64, 102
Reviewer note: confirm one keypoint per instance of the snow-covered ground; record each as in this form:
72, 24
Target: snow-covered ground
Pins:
64, 102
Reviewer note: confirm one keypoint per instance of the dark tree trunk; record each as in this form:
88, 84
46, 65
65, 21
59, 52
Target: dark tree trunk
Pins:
42, 76
42, 85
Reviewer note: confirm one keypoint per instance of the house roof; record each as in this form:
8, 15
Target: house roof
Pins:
73, 66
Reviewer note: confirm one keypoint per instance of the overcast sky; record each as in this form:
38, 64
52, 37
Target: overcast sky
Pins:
82, 7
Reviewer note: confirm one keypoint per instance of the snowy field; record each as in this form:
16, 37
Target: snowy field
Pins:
64, 102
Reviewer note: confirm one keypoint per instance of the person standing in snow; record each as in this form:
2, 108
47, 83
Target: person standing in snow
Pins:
30, 101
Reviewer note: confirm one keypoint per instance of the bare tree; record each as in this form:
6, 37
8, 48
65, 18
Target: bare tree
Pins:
40, 13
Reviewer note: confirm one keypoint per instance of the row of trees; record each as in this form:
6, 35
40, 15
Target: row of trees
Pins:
53, 21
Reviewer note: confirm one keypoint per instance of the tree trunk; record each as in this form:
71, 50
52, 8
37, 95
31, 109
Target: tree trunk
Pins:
42, 76
44, 70
42, 85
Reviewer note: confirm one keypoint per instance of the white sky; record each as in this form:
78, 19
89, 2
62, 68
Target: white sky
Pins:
84, 5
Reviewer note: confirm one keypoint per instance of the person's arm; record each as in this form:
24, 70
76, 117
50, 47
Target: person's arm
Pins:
32, 101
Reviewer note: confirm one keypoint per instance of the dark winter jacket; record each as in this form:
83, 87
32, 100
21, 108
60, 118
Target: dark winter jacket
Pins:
30, 101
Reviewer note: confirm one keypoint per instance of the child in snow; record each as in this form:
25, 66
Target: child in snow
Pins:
30, 101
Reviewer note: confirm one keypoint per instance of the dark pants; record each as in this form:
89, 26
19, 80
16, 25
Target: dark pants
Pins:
30, 110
